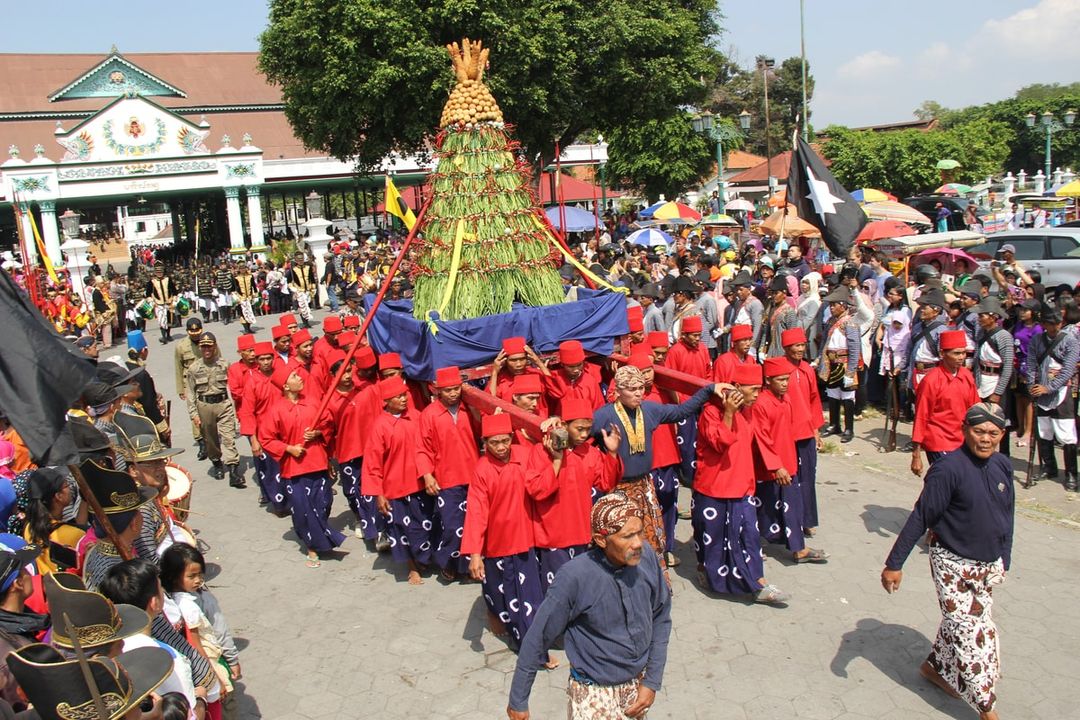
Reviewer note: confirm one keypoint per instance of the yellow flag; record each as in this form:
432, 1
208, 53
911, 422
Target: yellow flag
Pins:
396, 206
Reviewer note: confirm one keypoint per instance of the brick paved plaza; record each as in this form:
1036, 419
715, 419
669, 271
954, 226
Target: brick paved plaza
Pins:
352, 640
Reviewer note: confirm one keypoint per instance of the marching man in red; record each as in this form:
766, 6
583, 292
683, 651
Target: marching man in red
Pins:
741, 338
573, 379
447, 464
806, 418
941, 401
241, 370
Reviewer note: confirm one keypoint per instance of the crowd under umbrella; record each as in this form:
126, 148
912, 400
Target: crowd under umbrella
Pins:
577, 220
739, 204
869, 195
674, 213
650, 237
956, 189
889, 210
883, 229
719, 219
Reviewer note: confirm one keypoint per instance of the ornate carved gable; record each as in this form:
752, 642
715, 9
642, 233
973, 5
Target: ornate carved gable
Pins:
116, 77
131, 128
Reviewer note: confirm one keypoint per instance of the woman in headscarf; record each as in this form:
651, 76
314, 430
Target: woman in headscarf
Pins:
807, 308
893, 339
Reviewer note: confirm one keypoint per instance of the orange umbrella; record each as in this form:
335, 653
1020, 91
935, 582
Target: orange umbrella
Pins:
779, 199
793, 225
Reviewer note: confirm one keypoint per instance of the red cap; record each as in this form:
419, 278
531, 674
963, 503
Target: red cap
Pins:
281, 375
447, 377
658, 338
493, 425
351, 321
635, 324
641, 360
741, 332
952, 340
792, 336
748, 374
264, 348
331, 324
279, 331
364, 357
691, 324
635, 311
346, 338
576, 409
245, 342
301, 336
391, 387
390, 361
527, 383
571, 353
775, 366
514, 345
287, 319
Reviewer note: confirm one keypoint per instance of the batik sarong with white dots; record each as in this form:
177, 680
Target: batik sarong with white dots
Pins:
512, 591
727, 543
666, 482
551, 559
780, 515
310, 498
450, 511
268, 475
411, 528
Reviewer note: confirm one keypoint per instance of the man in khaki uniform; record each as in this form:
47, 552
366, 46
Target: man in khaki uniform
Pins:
211, 409
187, 352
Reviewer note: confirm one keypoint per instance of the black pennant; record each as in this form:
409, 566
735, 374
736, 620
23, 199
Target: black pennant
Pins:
822, 201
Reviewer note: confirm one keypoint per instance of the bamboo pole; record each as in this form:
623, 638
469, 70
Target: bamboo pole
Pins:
84, 667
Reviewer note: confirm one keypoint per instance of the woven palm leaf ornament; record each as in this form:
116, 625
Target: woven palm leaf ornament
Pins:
480, 245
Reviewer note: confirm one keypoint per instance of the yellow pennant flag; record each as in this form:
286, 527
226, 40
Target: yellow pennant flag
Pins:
396, 206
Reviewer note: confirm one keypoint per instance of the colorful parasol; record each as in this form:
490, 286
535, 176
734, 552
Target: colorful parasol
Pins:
650, 237
1071, 189
881, 229
953, 189
740, 204
719, 219
889, 210
869, 195
671, 212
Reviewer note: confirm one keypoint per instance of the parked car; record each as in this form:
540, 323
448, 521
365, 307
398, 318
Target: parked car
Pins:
927, 205
1054, 252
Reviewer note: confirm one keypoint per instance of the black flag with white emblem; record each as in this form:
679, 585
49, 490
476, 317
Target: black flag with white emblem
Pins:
822, 201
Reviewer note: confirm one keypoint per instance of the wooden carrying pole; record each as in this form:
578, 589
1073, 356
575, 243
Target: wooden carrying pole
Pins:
84, 666
332, 388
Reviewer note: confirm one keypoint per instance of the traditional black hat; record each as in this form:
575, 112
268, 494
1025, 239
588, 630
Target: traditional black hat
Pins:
840, 295
1050, 314
88, 439
683, 284
138, 441
116, 491
650, 290
114, 375
778, 284
741, 279
990, 304
96, 620
934, 297
58, 691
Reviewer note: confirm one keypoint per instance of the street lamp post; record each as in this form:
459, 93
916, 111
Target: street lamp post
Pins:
603, 174
317, 240
73, 248
720, 133
766, 64
1052, 125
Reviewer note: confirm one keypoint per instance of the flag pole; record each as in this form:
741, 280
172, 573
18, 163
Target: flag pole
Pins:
332, 387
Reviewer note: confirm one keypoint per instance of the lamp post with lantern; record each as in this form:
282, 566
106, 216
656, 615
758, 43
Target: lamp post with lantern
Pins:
317, 239
73, 248
1052, 125
720, 133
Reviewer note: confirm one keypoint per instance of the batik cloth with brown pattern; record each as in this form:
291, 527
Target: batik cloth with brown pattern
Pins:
601, 702
965, 651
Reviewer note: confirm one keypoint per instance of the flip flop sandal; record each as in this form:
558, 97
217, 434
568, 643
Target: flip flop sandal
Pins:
813, 556
313, 563
771, 595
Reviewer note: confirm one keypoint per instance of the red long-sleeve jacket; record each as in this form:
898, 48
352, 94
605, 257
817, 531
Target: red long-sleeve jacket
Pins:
284, 425
774, 445
448, 447
390, 457
941, 402
351, 416
805, 400
499, 514
563, 502
725, 456
239, 374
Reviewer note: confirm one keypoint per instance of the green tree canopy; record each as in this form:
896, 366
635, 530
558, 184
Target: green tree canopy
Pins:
364, 78
903, 162
640, 155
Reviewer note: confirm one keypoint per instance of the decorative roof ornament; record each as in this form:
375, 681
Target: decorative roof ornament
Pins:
226, 141
39, 150
203, 122
247, 139
114, 50
13, 152
59, 128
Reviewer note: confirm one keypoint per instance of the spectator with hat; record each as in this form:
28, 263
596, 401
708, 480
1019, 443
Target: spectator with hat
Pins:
210, 408
781, 316
391, 474
1051, 368
1024, 329
649, 296
18, 625
748, 309
924, 355
993, 368
50, 495
446, 461
941, 400
839, 362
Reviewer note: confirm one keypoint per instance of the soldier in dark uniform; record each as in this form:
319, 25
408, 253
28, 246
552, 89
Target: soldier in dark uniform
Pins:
162, 291
303, 287
213, 411
1051, 371
224, 282
245, 291
204, 288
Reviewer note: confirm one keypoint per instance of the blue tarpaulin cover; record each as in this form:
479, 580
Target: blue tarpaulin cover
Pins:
596, 319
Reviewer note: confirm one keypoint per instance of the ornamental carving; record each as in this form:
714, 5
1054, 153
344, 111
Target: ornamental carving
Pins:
240, 170
134, 129
192, 141
105, 172
79, 148
34, 183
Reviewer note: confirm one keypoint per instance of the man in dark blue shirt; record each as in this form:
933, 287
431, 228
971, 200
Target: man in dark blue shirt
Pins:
614, 606
967, 504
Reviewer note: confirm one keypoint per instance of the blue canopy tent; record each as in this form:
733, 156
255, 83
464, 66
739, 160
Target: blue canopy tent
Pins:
577, 220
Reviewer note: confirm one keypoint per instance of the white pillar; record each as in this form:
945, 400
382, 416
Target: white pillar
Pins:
236, 222
255, 223
317, 241
50, 232
1010, 185
1040, 183
28, 234
1057, 177
1021, 179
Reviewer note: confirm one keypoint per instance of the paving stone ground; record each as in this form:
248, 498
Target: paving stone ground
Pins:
353, 640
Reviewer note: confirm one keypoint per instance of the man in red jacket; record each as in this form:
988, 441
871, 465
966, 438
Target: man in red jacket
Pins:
726, 537
660, 345
941, 401
303, 348
392, 476
259, 395
739, 354
515, 359
561, 483
806, 418
447, 463
241, 370
282, 345
780, 514
573, 379
689, 355
499, 531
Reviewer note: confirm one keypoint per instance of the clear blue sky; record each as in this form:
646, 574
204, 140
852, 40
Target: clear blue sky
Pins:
874, 62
